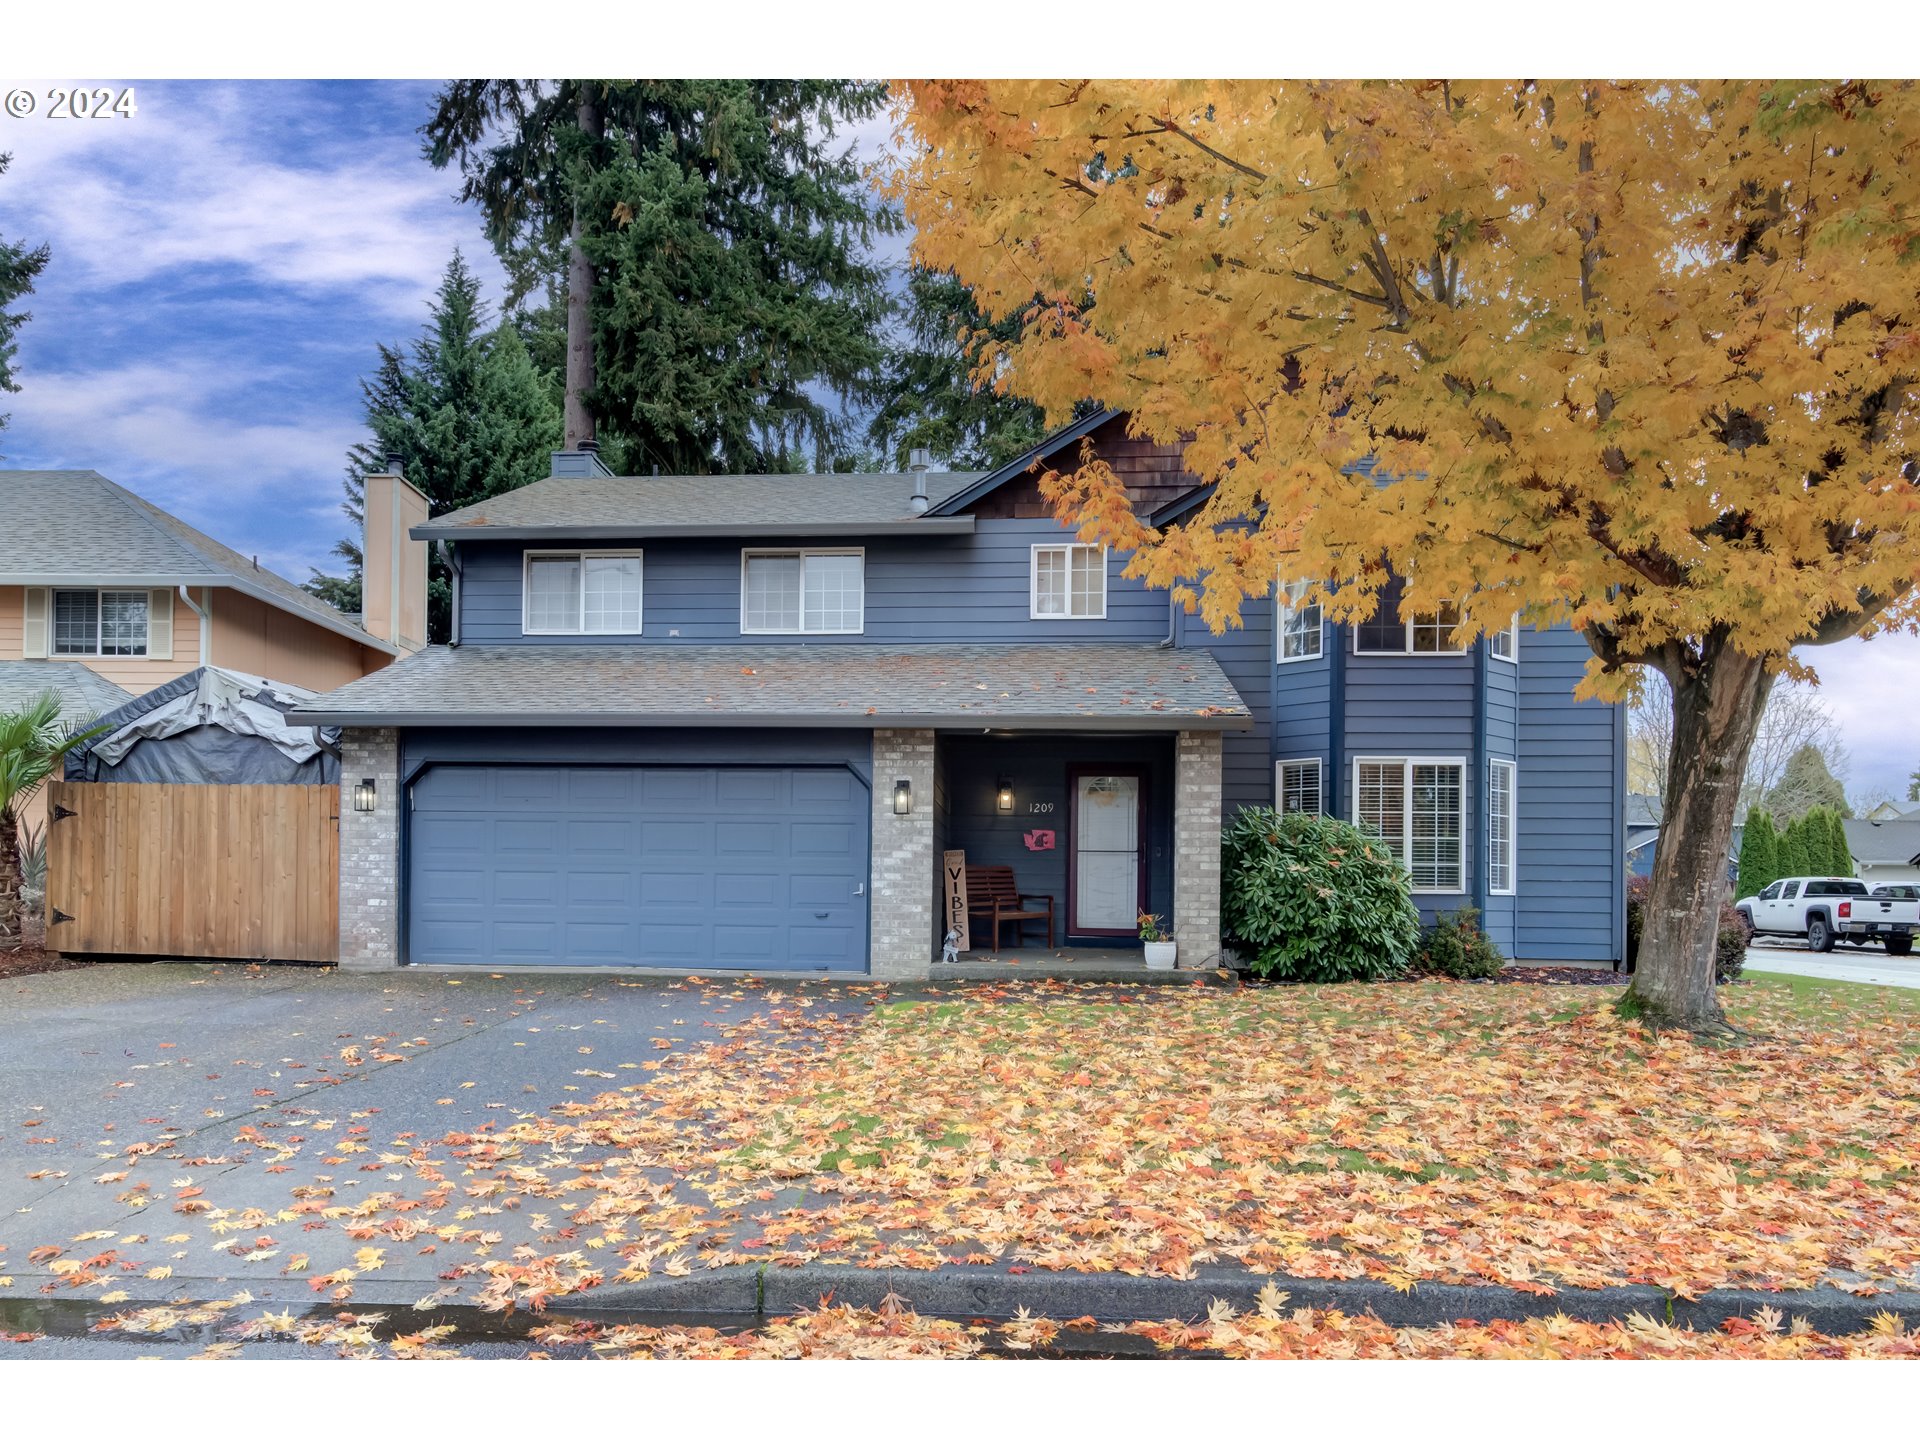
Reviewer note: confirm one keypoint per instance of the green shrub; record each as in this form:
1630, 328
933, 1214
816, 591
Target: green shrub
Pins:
1455, 946
1315, 899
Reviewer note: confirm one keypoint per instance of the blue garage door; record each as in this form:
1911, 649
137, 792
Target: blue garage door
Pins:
728, 867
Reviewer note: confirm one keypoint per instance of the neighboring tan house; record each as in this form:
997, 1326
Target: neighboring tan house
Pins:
1893, 810
104, 596
738, 721
1884, 850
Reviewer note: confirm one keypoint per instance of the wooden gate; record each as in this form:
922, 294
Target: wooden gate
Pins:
242, 872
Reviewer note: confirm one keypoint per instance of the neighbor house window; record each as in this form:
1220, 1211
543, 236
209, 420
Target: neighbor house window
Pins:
1500, 827
1505, 644
582, 592
1297, 787
802, 592
1418, 807
1300, 626
100, 622
1069, 582
1391, 633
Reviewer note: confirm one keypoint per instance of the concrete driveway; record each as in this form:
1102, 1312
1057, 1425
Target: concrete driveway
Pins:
143, 1105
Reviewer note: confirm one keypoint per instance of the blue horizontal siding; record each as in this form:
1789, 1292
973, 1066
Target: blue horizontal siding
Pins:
1245, 654
961, 588
1571, 752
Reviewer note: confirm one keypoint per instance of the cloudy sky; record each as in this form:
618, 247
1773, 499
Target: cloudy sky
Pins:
224, 264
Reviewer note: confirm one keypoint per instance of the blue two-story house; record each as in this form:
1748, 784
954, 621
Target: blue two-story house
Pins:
741, 722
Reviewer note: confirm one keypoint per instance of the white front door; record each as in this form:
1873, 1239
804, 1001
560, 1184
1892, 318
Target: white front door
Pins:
1106, 876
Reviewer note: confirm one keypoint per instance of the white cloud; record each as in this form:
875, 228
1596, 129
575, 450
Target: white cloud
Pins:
202, 176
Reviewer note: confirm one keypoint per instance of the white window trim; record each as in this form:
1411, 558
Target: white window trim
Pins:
1319, 780
1033, 579
1283, 610
527, 557
1406, 641
1406, 764
99, 593
758, 551
1512, 837
1513, 643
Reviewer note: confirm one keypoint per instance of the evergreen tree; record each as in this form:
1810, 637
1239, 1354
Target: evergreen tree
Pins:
928, 394
1913, 786
468, 415
19, 267
1804, 783
722, 309
1794, 859
1839, 855
1759, 853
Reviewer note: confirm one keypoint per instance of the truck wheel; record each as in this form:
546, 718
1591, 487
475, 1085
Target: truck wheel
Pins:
1899, 944
1819, 935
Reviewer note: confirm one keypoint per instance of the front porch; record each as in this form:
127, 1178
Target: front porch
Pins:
1080, 830
1119, 966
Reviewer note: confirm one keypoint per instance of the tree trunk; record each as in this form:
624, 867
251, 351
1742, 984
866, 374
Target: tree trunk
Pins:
578, 421
9, 879
1716, 715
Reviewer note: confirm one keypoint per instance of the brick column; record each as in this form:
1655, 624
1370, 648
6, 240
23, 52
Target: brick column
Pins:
900, 945
1196, 849
370, 852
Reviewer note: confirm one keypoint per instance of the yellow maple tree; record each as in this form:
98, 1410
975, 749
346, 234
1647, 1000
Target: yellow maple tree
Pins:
1639, 357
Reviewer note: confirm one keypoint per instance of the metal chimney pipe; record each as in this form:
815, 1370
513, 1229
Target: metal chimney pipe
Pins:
918, 461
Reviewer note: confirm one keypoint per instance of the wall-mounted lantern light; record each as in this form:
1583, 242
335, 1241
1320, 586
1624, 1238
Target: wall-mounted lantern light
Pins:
1003, 799
363, 797
903, 797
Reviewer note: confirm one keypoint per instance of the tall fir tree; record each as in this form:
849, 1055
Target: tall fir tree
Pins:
929, 393
1804, 783
20, 266
468, 415
723, 310
1759, 853
1913, 786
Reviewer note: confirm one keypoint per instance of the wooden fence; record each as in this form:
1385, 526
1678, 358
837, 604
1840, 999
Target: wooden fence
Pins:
207, 871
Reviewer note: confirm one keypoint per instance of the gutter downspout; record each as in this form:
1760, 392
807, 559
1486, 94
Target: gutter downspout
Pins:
451, 556
1481, 858
206, 623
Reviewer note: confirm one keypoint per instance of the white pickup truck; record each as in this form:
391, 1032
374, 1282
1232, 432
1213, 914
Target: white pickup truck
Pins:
1825, 908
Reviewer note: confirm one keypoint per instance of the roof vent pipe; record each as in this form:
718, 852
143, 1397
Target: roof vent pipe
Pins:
917, 462
395, 463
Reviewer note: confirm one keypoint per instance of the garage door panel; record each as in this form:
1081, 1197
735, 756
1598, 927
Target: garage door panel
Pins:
677, 866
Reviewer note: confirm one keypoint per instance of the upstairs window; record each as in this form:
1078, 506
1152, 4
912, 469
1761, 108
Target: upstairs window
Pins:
1391, 633
1297, 787
582, 592
1069, 582
1505, 644
1300, 625
802, 592
100, 622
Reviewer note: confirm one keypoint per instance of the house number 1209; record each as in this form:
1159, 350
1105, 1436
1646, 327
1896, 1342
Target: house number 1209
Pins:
1040, 807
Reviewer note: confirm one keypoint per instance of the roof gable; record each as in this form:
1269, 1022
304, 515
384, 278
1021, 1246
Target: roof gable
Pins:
78, 527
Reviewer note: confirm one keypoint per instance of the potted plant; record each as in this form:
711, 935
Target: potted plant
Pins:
1159, 944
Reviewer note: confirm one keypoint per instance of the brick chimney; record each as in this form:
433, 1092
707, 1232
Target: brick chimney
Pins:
393, 568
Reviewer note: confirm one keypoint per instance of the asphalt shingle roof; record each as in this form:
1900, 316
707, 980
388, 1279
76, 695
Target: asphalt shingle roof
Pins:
862, 686
1884, 842
709, 504
83, 694
77, 525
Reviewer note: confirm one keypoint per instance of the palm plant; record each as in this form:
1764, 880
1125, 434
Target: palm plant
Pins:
33, 743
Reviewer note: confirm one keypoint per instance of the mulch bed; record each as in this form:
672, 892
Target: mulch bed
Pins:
1555, 975
32, 957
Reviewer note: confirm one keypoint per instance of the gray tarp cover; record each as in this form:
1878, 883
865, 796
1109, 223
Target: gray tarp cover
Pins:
211, 727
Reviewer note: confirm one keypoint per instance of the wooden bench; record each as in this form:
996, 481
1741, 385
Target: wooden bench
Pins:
993, 896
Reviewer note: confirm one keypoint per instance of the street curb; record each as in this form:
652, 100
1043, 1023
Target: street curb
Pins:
1065, 1295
